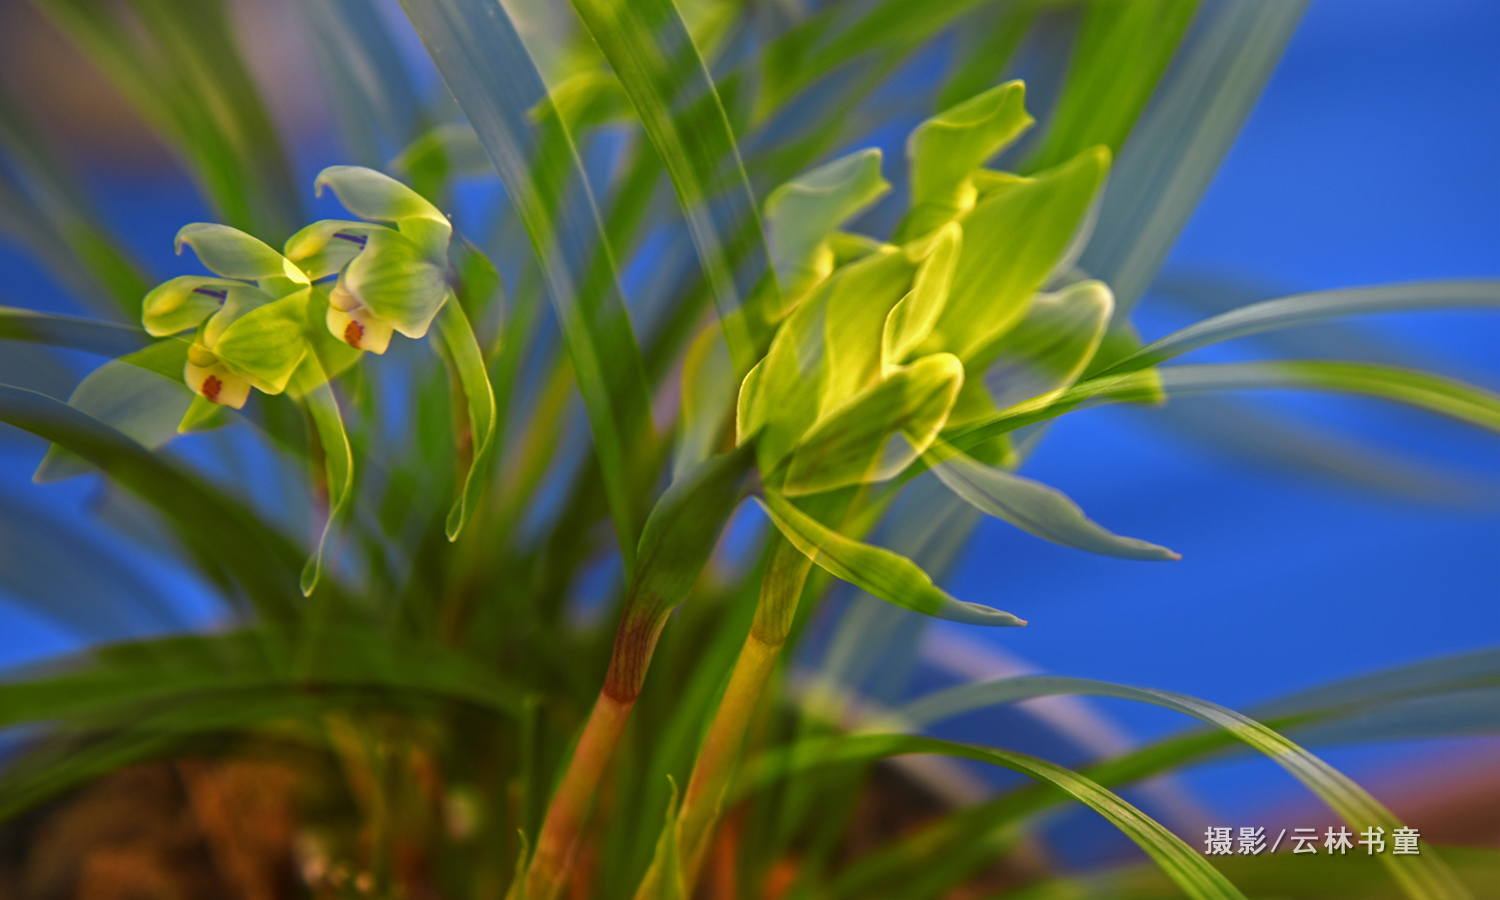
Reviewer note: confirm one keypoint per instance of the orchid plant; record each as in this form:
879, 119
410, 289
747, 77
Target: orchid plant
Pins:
457, 721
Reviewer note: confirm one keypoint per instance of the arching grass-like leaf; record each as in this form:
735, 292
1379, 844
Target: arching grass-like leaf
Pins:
1121, 51
889, 576
1180, 139
89, 335
487, 67
1186, 867
227, 540
462, 350
1423, 876
1433, 393
650, 50
1304, 309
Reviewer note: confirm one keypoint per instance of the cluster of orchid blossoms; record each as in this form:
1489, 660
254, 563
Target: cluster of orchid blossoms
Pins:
262, 322
893, 346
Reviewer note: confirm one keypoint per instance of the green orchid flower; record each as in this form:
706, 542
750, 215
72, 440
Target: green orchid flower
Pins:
392, 267
247, 323
892, 345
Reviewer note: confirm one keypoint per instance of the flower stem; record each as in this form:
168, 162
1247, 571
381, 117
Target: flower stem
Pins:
713, 770
557, 844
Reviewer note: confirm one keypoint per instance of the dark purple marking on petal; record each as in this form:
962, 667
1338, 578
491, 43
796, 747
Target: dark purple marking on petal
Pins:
359, 239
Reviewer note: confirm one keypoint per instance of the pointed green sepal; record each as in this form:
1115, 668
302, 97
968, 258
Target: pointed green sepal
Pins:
879, 433
946, 149
801, 214
889, 576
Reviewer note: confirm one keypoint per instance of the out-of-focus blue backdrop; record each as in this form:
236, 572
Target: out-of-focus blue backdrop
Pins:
1370, 158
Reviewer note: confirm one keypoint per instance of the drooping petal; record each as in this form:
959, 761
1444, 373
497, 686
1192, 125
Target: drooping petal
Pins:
396, 283
379, 197
324, 247
234, 254
182, 303
266, 344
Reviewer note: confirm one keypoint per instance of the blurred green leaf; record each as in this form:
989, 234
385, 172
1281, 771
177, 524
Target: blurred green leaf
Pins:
491, 74
652, 53
89, 335
140, 394
1177, 145
1303, 309
1120, 54
226, 540
1189, 870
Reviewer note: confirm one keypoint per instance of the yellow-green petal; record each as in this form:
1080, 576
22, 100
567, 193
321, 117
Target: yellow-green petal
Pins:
395, 281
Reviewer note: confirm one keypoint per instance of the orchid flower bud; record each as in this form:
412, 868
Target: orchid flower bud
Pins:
390, 279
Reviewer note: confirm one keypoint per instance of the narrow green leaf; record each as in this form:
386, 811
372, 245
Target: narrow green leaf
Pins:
1121, 52
103, 338
1184, 865
650, 50
462, 349
491, 74
373, 100
801, 214
889, 576
226, 540
1423, 876
1433, 393
1034, 507
1303, 309
663, 880
1177, 145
